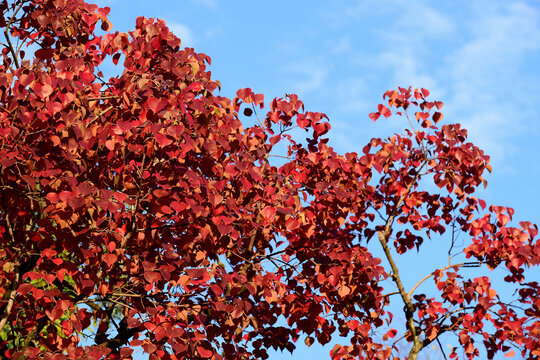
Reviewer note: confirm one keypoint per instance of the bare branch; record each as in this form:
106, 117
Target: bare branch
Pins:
440, 346
465, 264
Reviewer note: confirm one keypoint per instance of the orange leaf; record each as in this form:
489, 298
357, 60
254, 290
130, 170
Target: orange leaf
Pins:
511, 353
374, 116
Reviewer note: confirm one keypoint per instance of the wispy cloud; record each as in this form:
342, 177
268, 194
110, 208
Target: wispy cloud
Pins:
342, 45
406, 18
210, 4
305, 75
484, 74
183, 32
470, 55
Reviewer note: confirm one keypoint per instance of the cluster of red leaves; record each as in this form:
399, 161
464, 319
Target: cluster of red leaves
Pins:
140, 209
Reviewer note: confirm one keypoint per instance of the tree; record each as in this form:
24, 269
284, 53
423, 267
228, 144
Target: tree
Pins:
140, 211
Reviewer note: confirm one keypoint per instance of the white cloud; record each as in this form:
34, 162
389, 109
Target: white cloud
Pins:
341, 46
183, 32
405, 40
483, 75
499, 41
419, 21
305, 75
472, 59
350, 95
210, 4
408, 19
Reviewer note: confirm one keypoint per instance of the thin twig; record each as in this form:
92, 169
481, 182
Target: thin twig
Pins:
103, 97
105, 111
121, 304
6, 34
440, 346
390, 294
466, 264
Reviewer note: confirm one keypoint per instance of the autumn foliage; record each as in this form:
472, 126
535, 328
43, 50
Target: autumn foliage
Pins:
143, 213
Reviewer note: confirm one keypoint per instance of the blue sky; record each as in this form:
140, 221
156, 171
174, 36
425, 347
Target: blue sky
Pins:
481, 58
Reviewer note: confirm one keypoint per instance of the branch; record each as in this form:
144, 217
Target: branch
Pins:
10, 294
440, 346
6, 34
383, 239
383, 236
390, 294
465, 264
105, 111
124, 334
105, 97
132, 221
32, 335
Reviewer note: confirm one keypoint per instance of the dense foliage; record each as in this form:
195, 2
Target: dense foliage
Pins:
140, 212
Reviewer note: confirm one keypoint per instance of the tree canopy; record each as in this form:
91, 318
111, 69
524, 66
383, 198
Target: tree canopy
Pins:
147, 211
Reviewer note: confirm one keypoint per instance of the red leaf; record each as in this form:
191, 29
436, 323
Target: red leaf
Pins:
115, 58
110, 259
503, 219
437, 116
65, 196
194, 87
482, 203
425, 92
383, 110
498, 209
27, 79
126, 352
54, 107
43, 90
156, 105
133, 322
44, 53
292, 224
217, 290
246, 95
204, 352
344, 291
268, 213
24, 288
374, 116
392, 333
149, 348
109, 144
160, 333
163, 140
52, 197
152, 276
125, 126
48, 253
104, 11
59, 310
270, 295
